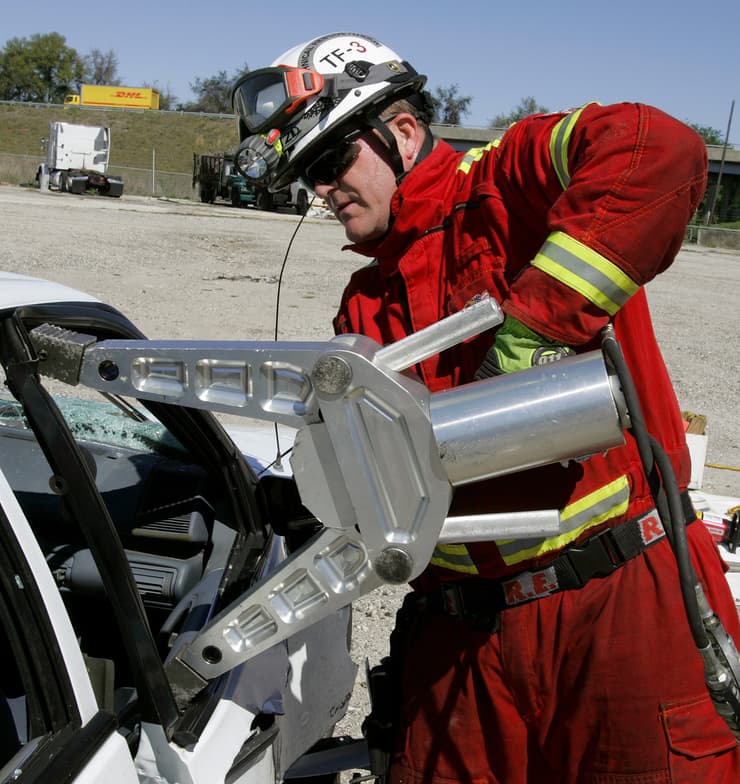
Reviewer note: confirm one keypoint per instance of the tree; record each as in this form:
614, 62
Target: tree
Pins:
41, 68
214, 93
167, 99
101, 67
710, 135
449, 107
526, 107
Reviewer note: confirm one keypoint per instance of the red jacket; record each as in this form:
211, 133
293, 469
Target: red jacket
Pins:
562, 221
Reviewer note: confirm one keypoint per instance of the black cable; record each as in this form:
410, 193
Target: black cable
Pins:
282, 269
277, 462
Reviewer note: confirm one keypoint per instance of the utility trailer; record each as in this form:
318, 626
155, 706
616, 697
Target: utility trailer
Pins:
216, 176
77, 160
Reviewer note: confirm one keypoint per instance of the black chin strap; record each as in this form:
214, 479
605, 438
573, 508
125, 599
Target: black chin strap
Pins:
393, 151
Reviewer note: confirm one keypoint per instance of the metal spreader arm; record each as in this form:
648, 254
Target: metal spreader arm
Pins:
375, 458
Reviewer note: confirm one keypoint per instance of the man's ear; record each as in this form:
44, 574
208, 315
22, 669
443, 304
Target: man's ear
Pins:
410, 136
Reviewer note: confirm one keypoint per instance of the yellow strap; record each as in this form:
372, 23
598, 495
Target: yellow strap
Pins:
454, 557
584, 270
559, 141
475, 154
602, 504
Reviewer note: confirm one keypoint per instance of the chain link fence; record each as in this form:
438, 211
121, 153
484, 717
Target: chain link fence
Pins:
18, 169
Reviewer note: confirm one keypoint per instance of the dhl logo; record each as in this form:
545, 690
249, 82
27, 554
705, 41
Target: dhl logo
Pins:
128, 94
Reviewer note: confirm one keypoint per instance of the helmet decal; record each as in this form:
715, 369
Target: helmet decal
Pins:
339, 53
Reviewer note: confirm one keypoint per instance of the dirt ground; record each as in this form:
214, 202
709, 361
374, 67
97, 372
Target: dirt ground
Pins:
182, 269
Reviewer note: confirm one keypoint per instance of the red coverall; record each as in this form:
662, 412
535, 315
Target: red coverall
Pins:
562, 222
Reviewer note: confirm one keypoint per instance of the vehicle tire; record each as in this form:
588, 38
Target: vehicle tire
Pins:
63, 183
264, 200
236, 199
301, 202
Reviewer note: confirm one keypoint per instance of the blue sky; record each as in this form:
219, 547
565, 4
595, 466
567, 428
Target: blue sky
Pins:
670, 54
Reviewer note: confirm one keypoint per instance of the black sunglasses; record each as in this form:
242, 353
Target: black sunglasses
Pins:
333, 162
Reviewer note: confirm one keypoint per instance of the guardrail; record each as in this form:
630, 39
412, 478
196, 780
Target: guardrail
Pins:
214, 115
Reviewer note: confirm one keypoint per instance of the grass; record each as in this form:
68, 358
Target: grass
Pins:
173, 136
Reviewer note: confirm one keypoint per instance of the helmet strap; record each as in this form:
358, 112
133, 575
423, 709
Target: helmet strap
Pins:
394, 152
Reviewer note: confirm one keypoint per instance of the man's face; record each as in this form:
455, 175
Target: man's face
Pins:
360, 197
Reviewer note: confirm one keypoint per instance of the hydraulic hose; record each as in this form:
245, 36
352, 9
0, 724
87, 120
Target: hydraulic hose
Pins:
663, 485
717, 649
638, 428
680, 545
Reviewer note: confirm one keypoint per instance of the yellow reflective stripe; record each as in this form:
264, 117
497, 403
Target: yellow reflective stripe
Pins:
559, 140
584, 270
603, 504
475, 154
455, 557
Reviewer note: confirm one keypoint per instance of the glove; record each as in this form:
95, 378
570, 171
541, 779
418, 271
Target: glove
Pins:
258, 156
517, 347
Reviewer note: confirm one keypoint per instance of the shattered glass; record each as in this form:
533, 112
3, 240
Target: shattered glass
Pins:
101, 422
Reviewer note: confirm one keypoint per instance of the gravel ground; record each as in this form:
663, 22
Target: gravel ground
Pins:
182, 269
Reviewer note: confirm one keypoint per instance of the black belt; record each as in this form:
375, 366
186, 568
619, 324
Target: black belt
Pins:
481, 601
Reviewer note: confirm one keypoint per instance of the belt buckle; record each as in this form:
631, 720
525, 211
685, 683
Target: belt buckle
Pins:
598, 557
452, 600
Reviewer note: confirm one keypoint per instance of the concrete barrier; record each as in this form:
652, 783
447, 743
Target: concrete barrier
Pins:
718, 238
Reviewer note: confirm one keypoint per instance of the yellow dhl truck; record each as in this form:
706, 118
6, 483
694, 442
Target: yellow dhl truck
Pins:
114, 95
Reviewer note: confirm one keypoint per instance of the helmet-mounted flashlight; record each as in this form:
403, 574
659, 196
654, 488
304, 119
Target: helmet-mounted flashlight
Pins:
258, 155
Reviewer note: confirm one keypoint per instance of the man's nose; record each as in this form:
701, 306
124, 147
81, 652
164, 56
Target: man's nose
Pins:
323, 189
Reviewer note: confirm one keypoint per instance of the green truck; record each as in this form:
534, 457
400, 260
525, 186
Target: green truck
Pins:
216, 176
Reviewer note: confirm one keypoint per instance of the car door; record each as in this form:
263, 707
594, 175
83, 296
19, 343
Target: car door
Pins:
147, 535
51, 728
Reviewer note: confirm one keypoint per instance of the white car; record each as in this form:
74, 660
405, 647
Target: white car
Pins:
171, 612
123, 529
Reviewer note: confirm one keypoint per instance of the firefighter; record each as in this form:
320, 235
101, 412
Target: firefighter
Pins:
563, 659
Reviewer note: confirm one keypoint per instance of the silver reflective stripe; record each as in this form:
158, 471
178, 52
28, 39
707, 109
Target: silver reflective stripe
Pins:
455, 557
559, 148
608, 505
590, 274
559, 141
475, 154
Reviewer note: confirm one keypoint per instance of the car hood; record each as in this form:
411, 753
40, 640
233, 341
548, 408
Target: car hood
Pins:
18, 290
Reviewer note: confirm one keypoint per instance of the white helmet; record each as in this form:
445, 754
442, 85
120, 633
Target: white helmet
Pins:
318, 92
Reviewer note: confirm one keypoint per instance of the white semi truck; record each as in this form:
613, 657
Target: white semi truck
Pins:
77, 160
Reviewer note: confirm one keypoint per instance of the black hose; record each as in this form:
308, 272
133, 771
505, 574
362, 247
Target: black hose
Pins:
663, 486
680, 546
638, 428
